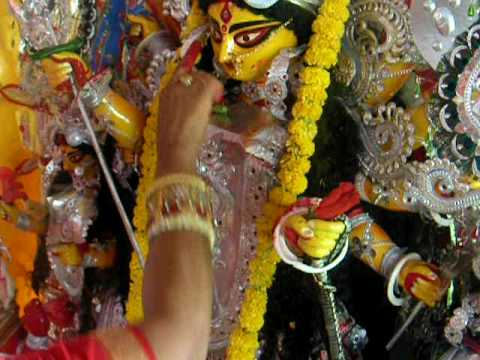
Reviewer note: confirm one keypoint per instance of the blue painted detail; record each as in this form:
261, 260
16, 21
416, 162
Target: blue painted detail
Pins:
111, 30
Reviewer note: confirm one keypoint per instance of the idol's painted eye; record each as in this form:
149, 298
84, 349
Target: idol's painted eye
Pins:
250, 38
75, 156
216, 34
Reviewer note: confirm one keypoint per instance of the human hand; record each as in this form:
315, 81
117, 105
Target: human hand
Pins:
183, 118
316, 238
422, 280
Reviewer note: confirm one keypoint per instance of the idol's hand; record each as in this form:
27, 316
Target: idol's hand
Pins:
422, 281
185, 108
316, 238
59, 68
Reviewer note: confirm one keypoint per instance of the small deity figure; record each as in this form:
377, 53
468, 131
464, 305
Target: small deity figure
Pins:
53, 76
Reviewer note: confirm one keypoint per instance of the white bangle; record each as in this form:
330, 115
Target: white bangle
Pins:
394, 299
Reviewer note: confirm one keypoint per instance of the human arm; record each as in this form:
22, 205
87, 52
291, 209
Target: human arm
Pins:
178, 275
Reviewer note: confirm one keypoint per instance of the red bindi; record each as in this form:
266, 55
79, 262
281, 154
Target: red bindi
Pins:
226, 15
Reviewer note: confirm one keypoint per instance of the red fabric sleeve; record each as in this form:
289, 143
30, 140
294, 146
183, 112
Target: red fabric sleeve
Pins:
81, 348
129, 343
143, 341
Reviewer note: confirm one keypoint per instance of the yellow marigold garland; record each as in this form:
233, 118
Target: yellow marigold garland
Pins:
321, 55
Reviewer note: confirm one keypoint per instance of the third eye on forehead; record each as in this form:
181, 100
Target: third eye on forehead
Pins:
246, 24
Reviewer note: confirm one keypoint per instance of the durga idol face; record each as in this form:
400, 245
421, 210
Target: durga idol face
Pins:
245, 43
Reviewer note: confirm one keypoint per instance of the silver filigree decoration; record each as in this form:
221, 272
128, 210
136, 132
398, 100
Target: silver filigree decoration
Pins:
89, 25
274, 91
242, 182
454, 110
177, 9
110, 312
71, 278
95, 90
436, 186
388, 137
380, 28
436, 24
464, 322
71, 215
377, 34
47, 23
467, 97
160, 47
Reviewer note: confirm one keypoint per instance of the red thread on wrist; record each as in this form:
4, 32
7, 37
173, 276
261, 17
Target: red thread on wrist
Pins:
142, 339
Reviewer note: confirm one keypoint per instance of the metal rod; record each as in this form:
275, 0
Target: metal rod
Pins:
329, 308
108, 177
416, 310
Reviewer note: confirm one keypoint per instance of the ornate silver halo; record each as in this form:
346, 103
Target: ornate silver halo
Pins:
436, 24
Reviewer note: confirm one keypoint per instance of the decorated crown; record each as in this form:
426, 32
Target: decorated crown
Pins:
310, 5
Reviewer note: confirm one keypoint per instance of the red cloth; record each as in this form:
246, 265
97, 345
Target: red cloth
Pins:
340, 201
35, 320
12, 344
11, 188
82, 348
87, 348
143, 341
60, 311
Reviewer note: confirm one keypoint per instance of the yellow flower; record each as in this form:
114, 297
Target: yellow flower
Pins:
281, 197
296, 127
263, 267
338, 10
272, 211
315, 75
310, 111
293, 181
321, 57
243, 345
253, 309
300, 148
313, 94
291, 163
300, 138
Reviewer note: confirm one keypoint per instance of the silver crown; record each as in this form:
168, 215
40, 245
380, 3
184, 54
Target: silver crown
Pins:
310, 5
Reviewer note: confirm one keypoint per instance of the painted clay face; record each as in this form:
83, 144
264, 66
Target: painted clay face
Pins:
245, 43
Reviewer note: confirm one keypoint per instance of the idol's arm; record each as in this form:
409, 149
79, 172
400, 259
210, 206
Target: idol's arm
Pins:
372, 245
122, 120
